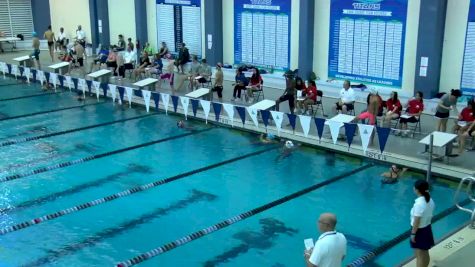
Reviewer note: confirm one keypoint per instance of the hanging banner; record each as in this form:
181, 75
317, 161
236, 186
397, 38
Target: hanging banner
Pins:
305, 122
242, 114
121, 94
350, 129
146, 98
320, 124
15, 71
194, 106
27, 74
54, 79
40, 76
61, 80
82, 86
467, 83
366, 132
185, 102
97, 88
165, 100
46, 75
292, 120
104, 87
230, 111
265, 114
156, 99
278, 118
253, 113
129, 91
334, 129
383, 134
206, 108
217, 110
175, 102
3, 68
113, 90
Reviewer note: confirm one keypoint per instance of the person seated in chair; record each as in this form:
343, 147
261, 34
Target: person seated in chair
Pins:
414, 110
194, 72
393, 107
204, 72
129, 60
100, 59
218, 81
465, 125
255, 84
240, 84
347, 99
157, 65
111, 61
310, 97
144, 63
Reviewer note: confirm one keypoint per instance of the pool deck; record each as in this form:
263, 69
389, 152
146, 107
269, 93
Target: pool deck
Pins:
399, 150
456, 250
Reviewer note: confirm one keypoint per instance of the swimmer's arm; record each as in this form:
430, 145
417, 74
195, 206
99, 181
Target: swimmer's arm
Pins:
402, 172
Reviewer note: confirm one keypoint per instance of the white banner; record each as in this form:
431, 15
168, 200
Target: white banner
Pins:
230, 111
113, 90
206, 108
146, 98
3, 68
82, 86
166, 101
365, 134
54, 79
15, 70
128, 92
305, 122
278, 117
97, 87
40, 75
334, 129
27, 72
185, 102
253, 113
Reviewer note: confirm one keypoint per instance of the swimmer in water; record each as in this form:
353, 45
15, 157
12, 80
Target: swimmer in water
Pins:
181, 124
268, 138
287, 150
392, 176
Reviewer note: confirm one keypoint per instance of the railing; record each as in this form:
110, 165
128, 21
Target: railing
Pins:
471, 196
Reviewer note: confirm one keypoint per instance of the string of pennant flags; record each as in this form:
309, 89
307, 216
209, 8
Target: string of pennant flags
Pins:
119, 93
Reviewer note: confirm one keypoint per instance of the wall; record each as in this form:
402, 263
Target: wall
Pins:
122, 19
321, 42
69, 14
228, 32
454, 44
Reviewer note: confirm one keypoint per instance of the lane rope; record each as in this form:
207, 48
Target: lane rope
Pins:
218, 226
27, 96
124, 193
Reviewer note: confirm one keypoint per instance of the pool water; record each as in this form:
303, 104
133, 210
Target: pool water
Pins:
216, 173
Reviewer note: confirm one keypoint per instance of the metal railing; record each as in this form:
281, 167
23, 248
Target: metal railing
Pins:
469, 181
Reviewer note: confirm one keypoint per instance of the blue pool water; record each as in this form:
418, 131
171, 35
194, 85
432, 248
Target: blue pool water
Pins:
215, 186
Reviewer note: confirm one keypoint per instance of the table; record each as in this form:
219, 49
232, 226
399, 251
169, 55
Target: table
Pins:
58, 67
263, 105
9, 39
101, 74
199, 93
22, 60
441, 140
148, 82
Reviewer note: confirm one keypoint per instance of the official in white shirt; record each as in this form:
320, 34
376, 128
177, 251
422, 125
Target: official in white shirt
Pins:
129, 58
60, 39
81, 36
422, 238
330, 248
347, 99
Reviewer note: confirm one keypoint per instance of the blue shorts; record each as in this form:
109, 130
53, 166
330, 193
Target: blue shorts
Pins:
36, 54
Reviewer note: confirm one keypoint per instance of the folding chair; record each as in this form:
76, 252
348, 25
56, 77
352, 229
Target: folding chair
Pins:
318, 104
259, 93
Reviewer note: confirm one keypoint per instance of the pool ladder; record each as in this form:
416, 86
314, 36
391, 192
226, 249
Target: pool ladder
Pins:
471, 195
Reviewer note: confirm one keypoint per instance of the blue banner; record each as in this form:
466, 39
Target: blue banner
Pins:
350, 129
242, 113
262, 33
104, 87
156, 99
75, 82
320, 124
292, 120
121, 93
383, 134
217, 110
468, 73
367, 41
175, 102
194, 105
89, 85
61, 80
265, 117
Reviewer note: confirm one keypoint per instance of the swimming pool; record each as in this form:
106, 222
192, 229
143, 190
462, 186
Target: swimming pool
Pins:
74, 154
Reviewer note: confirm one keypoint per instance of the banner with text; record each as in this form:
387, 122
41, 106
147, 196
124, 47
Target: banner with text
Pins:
468, 69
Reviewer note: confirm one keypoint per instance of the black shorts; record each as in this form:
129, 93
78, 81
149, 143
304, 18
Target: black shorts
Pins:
112, 64
50, 44
348, 106
36, 54
470, 133
442, 115
283, 98
412, 119
80, 61
424, 238
60, 42
202, 80
219, 90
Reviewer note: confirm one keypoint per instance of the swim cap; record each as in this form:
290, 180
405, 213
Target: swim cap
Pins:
34, 34
289, 144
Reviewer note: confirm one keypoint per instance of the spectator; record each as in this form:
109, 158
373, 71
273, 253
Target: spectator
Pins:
241, 83
144, 63
163, 52
131, 44
255, 84
194, 72
183, 58
121, 43
129, 61
36, 50
157, 65
347, 99
310, 97
414, 110
445, 105
330, 248
465, 123
60, 39
100, 59
289, 93
111, 61
422, 238
148, 48
218, 81
49, 36
204, 72
393, 107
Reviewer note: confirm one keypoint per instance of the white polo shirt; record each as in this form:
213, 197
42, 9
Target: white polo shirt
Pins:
80, 35
329, 250
347, 96
61, 36
424, 210
129, 56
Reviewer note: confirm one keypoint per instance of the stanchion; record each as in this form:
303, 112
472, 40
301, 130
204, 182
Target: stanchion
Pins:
429, 166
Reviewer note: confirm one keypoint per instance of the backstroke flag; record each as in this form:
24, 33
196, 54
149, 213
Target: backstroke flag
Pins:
113, 90
166, 101
40, 76
217, 110
305, 122
156, 99
15, 70
230, 111
121, 94
97, 88
253, 113
129, 92
320, 123
3, 68
206, 108
242, 114
383, 134
278, 117
54, 79
365, 135
146, 98
334, 129
175, 102
350, 129
194, 106
82, 86
185, 102
265, 114
27, 74
292, 120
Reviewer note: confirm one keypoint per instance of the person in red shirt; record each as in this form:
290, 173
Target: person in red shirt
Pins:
465, 121
310, 97
414, 110
255, 84
393, 106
